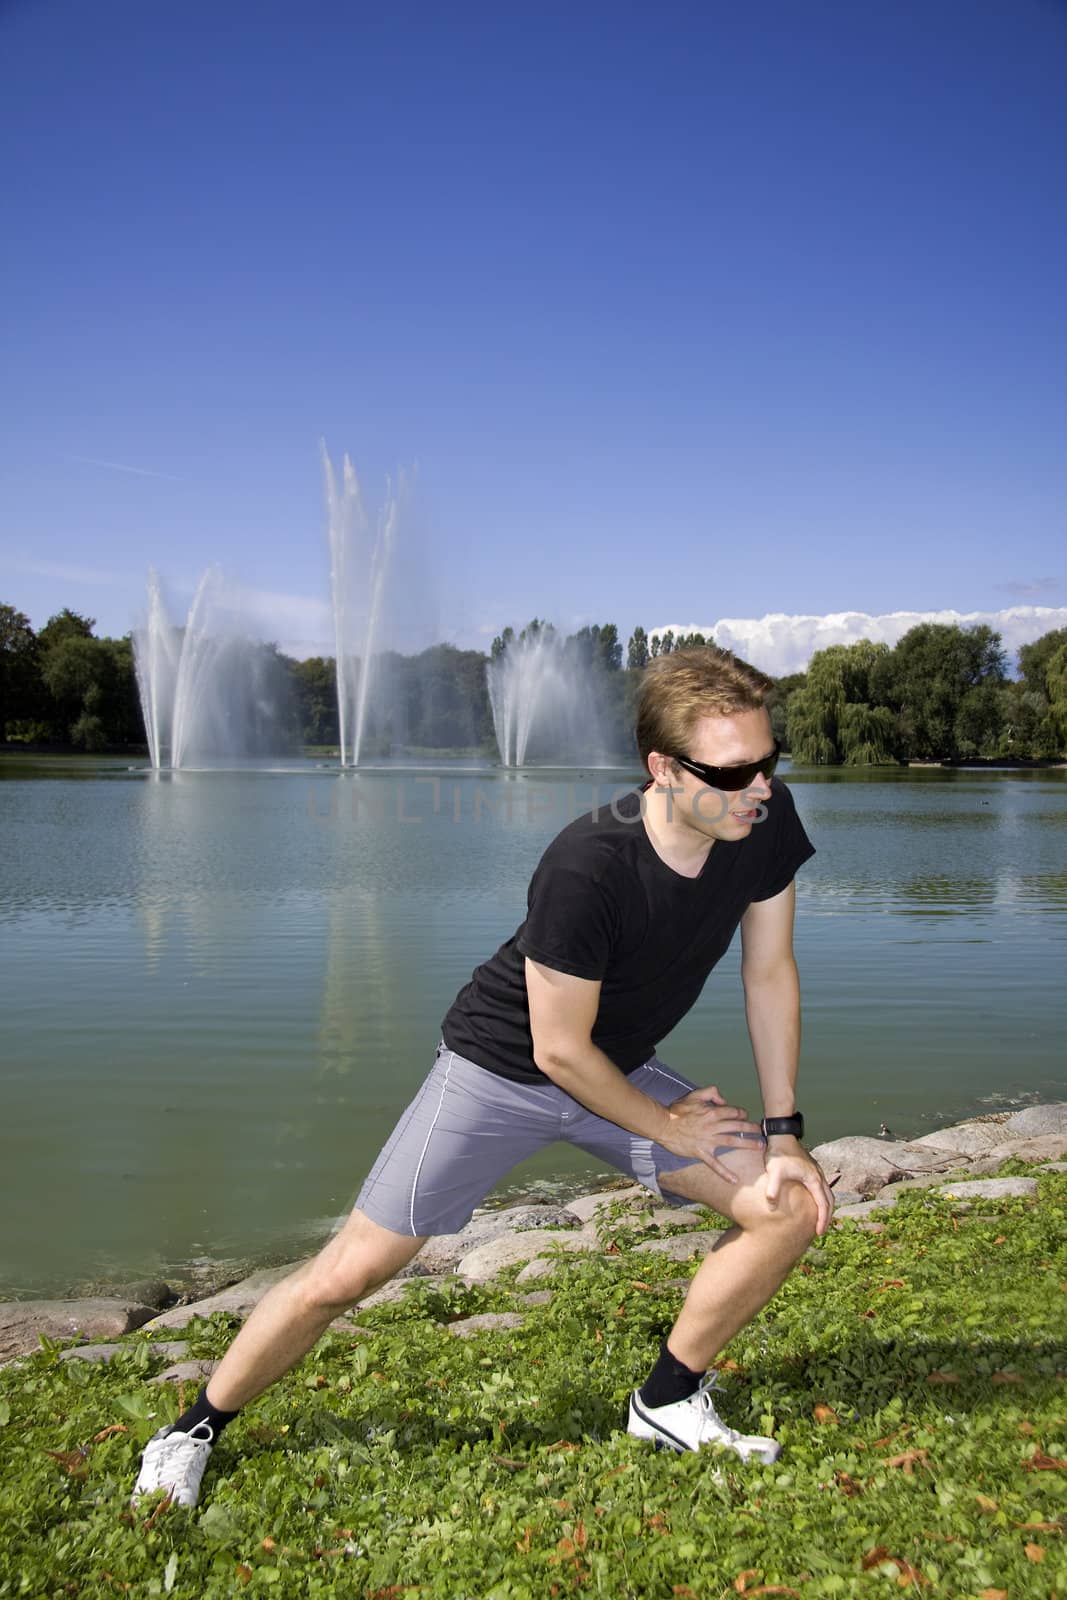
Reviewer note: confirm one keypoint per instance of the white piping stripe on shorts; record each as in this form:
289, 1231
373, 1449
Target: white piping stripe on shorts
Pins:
669, 1077
426, 1146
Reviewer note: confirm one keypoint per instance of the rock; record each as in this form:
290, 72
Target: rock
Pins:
343, 1325
1038, 1119
186, 1372
1039, 1148
486, 1322
680, 1246
154, 1292
21, 1321
537, 1297
92, 1352
238, 1300
854, 1213
446, 1249
397, 1289
533, 1270
586, 1206
171, 1348
487, 1260
867, 1165
1055, 1166
971, 1138
989, 1188
846, 1197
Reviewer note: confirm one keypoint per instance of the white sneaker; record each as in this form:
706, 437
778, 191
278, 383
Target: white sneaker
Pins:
688, 1424
175, 1462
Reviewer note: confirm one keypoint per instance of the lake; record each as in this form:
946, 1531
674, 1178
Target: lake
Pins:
219, 988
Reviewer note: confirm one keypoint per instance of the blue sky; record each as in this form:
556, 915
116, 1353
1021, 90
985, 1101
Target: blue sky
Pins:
684, 312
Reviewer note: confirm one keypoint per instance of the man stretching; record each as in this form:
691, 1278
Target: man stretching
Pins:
555, 1037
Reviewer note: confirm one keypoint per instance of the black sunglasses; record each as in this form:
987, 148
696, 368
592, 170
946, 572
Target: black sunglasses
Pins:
731, 779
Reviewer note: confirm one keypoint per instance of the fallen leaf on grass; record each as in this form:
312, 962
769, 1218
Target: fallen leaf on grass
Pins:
875, 1557
890, 1283
73, 1462
992, 1594
1027, 1427
773, 1588
727, 1366
847, 1484
1005, 1377
638, 1283
1040, 1462
1034, 1552
942, 1377
908, 1573
823, 1413
242, 1573
741, 1581
105, 1433
985, 1504
907, 1460
561, 1444
898, 1433
1040, 1527
682, 1592
1001, 1238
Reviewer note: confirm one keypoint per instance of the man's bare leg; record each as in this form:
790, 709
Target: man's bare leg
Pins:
295, 1313
748, 1264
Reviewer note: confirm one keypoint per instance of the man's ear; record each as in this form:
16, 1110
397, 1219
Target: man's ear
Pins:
661, 769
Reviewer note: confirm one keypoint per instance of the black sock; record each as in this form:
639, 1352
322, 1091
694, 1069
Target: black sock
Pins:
202, 1410
669, 1380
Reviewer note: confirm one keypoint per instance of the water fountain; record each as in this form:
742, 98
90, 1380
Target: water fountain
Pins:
544, 702
359, 565
207, 690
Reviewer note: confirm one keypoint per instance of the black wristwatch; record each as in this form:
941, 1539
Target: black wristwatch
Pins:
793, 1125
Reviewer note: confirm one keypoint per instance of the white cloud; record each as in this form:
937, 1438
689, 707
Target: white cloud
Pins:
779, 643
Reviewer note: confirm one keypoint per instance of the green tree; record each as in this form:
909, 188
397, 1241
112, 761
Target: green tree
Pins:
637, 650
926, 676
830, 719
1035, 658
19, 671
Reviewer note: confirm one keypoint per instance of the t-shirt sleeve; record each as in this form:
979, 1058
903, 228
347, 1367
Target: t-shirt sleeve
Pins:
571, 922
790, 849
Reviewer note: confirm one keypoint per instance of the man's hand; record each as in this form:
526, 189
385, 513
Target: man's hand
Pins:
787, 1161
701, 1121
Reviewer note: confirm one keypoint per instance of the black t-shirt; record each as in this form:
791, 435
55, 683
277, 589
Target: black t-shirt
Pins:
602, 904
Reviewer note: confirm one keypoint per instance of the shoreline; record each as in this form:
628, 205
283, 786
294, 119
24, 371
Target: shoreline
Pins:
870, 1175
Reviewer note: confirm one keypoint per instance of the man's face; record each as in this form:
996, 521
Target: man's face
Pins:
719, 742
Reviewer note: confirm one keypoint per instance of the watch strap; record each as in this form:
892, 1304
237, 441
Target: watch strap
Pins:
793, 1125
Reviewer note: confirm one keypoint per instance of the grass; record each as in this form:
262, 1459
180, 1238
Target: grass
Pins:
914, 1377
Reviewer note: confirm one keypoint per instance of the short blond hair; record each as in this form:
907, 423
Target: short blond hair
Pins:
680, 688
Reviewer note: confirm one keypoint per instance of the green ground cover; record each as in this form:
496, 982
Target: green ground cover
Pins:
914, 1377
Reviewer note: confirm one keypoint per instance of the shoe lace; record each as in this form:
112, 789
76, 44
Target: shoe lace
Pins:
707, 1387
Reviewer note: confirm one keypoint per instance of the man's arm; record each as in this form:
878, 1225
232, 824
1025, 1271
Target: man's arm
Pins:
772, 1010
563, 1011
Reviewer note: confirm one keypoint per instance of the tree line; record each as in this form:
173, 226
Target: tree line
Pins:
942, 692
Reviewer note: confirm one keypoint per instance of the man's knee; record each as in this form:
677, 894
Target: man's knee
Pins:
794, 1213
356, 1261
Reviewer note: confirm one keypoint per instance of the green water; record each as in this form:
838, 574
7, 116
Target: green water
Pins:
218, 989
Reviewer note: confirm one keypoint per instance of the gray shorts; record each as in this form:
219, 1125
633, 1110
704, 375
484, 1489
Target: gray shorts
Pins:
466, 1128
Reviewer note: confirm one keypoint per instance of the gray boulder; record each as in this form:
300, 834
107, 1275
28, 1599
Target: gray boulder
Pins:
186, 1372
867, 1165
680, 1246
586, 1206
971, 1138
443, 1251
239, 1299
1038, 1119
988, 1188
171, 1348
22, 1321
1038, 1148
487, 1260
486, 1322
